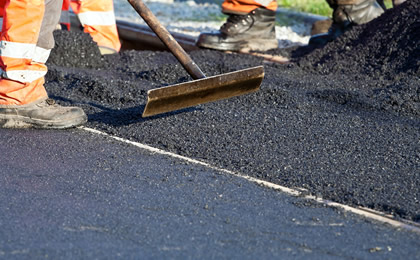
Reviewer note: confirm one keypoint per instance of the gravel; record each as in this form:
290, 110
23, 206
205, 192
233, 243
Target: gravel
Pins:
327, 122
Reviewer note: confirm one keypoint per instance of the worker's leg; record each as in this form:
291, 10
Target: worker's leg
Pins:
246, 6
26, 42
249, 27
65, 16
2, 4
98, 19
347, 13
22, 70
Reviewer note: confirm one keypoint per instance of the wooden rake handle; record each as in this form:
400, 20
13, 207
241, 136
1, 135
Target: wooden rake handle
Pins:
167, 39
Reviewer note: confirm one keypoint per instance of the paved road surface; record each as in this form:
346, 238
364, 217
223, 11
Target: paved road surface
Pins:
79, 195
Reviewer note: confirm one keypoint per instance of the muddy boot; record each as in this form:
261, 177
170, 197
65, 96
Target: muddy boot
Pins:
347, 13
321, 26
44, 113
106, 51
250, 32
397, 2
335, 30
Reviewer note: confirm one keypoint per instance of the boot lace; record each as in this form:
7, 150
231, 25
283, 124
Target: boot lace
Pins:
233, 20
50, 101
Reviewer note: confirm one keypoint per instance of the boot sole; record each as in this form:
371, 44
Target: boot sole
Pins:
243, 46
13, 121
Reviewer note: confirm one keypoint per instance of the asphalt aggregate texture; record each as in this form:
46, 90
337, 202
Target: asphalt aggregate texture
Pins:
342, 121
86, 196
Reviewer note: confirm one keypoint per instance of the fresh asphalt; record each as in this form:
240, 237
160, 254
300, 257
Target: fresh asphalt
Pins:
79, 195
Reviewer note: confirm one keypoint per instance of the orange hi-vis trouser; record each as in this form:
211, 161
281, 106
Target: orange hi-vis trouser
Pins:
97, 18
26, 42
246, 6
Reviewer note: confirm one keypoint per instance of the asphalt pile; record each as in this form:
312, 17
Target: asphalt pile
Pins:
386, 50
387, 47
342, 122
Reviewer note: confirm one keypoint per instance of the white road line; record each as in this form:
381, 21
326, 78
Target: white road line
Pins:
367, 213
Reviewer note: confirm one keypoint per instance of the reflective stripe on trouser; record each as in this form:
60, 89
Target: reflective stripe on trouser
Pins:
246, 6
26, 42
98, 19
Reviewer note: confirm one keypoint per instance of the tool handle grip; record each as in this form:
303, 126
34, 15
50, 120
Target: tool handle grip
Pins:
167, 39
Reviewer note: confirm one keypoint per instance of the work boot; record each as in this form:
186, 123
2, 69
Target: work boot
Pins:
335, 30
106, 50
254, 31
397, 2
321, 26
347, 13
44, 113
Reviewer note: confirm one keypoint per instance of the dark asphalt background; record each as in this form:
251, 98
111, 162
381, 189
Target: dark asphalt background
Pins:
77, 195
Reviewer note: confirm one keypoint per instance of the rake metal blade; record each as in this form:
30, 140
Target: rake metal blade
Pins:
200, 91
